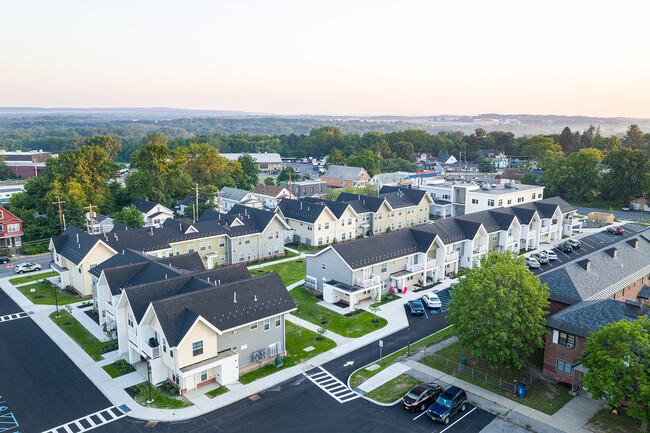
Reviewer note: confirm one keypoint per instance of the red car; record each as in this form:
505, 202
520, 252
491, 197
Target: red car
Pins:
616, 230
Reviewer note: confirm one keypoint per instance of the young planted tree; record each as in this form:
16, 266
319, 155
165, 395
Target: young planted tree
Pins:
618, 359
498, 310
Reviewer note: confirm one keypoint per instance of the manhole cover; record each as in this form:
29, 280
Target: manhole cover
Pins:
254, 397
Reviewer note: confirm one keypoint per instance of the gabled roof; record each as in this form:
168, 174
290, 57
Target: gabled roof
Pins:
589, 316
259, 218
644, 293
229, 193
337, 208
8, 216
225, 306
301, 210
142, 205
190, 199
74, 244
140, 296
269, 190
344, 172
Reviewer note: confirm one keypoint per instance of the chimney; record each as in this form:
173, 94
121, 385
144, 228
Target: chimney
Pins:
77, 237
634, 243
613, 252
585, 264
633, 309
234, 297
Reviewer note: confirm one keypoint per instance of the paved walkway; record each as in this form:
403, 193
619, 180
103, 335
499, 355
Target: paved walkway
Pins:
386, 375
338, 339
275, 262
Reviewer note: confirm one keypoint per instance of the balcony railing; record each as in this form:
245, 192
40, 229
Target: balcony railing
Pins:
414, 267
110, 309
151, 352
368, 282
543, 229
451, 257
511, 240
480, 248
555, 227
134, 339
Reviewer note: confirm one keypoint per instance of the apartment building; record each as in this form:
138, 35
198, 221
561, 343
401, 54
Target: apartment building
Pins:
318, 222
354, 271
243, 235
604, 287
153, 214
131, 268
461, 198
202, 328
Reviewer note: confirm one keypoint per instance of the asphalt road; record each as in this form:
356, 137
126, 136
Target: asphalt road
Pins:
42, 259
590, 244
618, 214
40, 386
304, 169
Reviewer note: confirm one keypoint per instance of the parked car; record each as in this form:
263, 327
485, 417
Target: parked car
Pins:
4, 259
575, 244
550, 254
431, 300
421, 396
450, 402
27, 267
541, 258
616, 230
625, 209
417, 308
565, 248
532, 263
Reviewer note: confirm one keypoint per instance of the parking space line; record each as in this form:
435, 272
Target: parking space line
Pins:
423, 412
450, 425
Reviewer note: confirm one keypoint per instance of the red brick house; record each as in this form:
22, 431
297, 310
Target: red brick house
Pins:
605, 287
343, 176
11, 229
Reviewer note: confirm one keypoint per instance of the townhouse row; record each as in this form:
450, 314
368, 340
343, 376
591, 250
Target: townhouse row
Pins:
405, 259
317, 222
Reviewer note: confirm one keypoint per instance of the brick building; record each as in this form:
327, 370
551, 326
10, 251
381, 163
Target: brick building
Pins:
26, 164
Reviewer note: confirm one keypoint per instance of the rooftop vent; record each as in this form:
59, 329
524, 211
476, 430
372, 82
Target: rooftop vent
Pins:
634, 309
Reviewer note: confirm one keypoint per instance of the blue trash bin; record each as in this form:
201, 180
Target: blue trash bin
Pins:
521, 390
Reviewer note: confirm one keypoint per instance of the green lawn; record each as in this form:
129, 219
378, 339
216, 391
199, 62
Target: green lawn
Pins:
46, 290
609, 205
160, 399
541, 395
287, 255
355, 326
290, 272
360, 376
297, 338
644, 223
75, 330
604, 421
33, 277
217, 391
114, 371
394, 389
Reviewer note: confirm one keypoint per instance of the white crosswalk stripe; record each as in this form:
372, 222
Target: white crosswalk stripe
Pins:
331, 385
14, 316
90, 422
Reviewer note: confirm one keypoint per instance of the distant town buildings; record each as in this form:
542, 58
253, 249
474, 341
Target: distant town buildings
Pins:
265, 161
26, 164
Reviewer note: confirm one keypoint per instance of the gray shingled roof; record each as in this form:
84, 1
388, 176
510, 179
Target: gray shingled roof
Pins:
142, 205
589, 316
644, 293
233, 193
300, 210
307, 188
343, 172
74, 244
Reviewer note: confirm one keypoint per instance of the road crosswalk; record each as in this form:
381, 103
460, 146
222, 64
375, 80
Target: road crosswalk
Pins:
89, 422
15, 316
331, 385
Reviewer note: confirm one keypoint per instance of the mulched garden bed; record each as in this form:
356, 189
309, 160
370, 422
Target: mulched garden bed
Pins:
93, 315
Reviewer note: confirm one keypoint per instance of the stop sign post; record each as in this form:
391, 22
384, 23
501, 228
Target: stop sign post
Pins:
10, 266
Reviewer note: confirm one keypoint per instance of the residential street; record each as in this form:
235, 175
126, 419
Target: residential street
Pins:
618, 213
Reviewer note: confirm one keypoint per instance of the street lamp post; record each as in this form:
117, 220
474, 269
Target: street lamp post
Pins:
149, 380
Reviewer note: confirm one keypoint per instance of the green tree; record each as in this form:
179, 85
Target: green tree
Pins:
540, 148
287, 172
404, 150
367, 160
508, 324
367, 189
485, 165
618, 361
528, 179
106, 142
633, 137
566, 137
207, 167
269, 181
250, 172
576, 177
626, 176
129, 216
335, 158
5, 171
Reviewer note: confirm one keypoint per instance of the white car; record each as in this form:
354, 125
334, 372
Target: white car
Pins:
431, 300
27, 267
550, 254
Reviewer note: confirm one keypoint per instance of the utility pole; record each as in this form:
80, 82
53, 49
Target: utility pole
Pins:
290, 182
196, 214
58, 200
92, 219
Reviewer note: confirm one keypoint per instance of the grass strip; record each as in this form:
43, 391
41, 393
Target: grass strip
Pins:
33, 277
75, 330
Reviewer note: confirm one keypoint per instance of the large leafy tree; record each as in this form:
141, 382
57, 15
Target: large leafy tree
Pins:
576, 177
633, 137
250, 177
565, 140
335, 158
106, 142
206, 167
540, 148
626, 176
129, 216
367, 160
618, 362
498, 310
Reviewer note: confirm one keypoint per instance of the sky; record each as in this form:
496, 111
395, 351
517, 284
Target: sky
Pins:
348, 57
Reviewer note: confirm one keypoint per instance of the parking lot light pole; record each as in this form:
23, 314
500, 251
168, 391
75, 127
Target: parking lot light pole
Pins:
381, 344
149, 380
56, 301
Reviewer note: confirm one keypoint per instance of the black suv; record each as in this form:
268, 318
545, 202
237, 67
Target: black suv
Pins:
451, 401
4, 259
421, 396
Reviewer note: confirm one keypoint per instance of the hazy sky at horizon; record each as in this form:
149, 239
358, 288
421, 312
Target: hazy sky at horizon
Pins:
334, 57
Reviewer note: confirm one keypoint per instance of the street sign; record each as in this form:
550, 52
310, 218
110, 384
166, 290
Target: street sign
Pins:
381, 343
10, 266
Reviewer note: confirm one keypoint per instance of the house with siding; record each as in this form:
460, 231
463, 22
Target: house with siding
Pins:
343, 176
307, 188
11, 229
271, 195
229, 197
153, 214
203, 328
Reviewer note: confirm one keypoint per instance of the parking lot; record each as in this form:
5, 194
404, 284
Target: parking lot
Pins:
472, 420
591, 243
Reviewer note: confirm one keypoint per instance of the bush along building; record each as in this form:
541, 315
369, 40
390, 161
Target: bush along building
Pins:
604, 287
204, 327
364, 268
243, 235
319, 222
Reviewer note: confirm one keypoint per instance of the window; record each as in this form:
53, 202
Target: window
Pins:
277, 250
327, 226
500, 202
383, 267
399, 212
197, 348
164, 345
562, 366
343, 236
270, 235
129, 319
520, 199
190, 248
494, 238
171, 353
327, 240
509, 201
490, 202
474, 201
567, 340
278, 321
273, 349
239, 241
222, 243
323, 266
399, 224
11, 228
204, 375
223, 258
270, 251
349, 221
175, 378
209, 245
202, 246
533, 196
253, 326
319, 226
248, 255
241, 257
177, 251
247, 240
320, 241
267, 324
